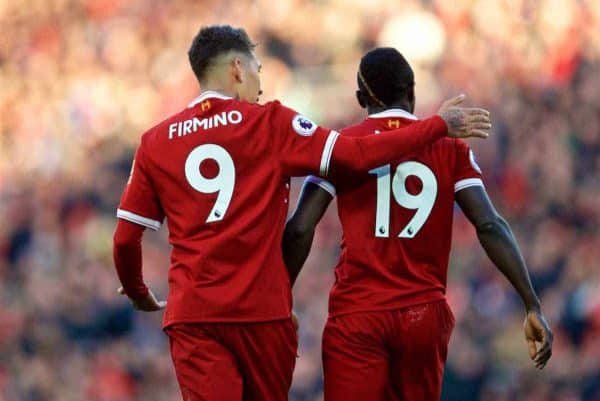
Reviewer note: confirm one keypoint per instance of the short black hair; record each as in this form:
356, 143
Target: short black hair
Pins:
212, 41
384, 76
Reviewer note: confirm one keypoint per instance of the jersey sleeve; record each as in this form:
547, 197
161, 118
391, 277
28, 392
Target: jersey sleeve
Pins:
466, 171
322, 183
139, 202
303, 147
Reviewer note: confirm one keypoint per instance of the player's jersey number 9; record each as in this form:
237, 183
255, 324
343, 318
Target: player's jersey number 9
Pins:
422, 202
223, 182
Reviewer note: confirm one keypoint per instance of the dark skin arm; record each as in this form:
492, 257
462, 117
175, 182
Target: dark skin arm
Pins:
300, 228
501, 247
492, 230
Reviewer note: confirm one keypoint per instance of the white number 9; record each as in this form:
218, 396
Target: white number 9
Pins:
422, 202
223, 182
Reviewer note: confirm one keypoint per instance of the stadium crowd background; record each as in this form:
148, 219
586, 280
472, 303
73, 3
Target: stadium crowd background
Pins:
81, 80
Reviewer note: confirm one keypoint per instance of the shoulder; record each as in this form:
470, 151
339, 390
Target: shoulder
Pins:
150, 136
255, 107
155, 132
268, 107
281, 109
459, 144
362, 128
290, 119
275, 107
272, 110
449, 145
273, 104
454, 152
445, 150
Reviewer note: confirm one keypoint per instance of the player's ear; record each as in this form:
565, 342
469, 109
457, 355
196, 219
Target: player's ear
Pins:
237, 69
361, 100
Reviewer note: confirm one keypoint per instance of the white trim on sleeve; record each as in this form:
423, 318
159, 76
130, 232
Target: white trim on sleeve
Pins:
137, 219
327, 152
474, 162
468, 182
324, 184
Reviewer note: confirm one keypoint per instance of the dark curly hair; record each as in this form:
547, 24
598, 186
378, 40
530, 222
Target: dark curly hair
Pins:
384, 77
213, 41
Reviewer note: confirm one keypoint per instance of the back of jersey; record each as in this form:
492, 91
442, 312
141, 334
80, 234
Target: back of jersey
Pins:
397, 223
219, 171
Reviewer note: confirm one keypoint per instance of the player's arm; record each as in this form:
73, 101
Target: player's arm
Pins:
300, 228
501, 247
139, 209
304, 148
367, 152
127, 255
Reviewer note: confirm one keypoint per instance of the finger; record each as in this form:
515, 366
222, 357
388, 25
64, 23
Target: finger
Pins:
546, 338
543, 359
455, 100
531, 348
121, 290
540, 363
476, 133
475, 111
478, 118
544, 353
481, 126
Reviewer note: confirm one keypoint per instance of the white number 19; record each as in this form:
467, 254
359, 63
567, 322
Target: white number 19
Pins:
223, 182
421, 202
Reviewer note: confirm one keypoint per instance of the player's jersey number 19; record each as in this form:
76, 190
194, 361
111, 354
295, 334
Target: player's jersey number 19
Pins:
421, 202
223, 182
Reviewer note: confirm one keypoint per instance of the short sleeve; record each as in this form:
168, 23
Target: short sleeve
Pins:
139, 202
466, 170
303, 147
322, 183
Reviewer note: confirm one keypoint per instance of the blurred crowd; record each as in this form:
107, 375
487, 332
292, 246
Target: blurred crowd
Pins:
80, 80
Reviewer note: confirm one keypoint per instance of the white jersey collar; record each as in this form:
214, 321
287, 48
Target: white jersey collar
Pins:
394, 113
208, 95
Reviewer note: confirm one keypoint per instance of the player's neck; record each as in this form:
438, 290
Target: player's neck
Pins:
404, 105
229, 93
216, 86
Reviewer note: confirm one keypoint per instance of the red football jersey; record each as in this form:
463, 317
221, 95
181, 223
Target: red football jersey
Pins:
219, 172
397, 222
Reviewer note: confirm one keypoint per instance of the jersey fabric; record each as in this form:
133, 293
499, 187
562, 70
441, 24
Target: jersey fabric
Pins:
219, 171
397, 222
392, 355
249, 361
